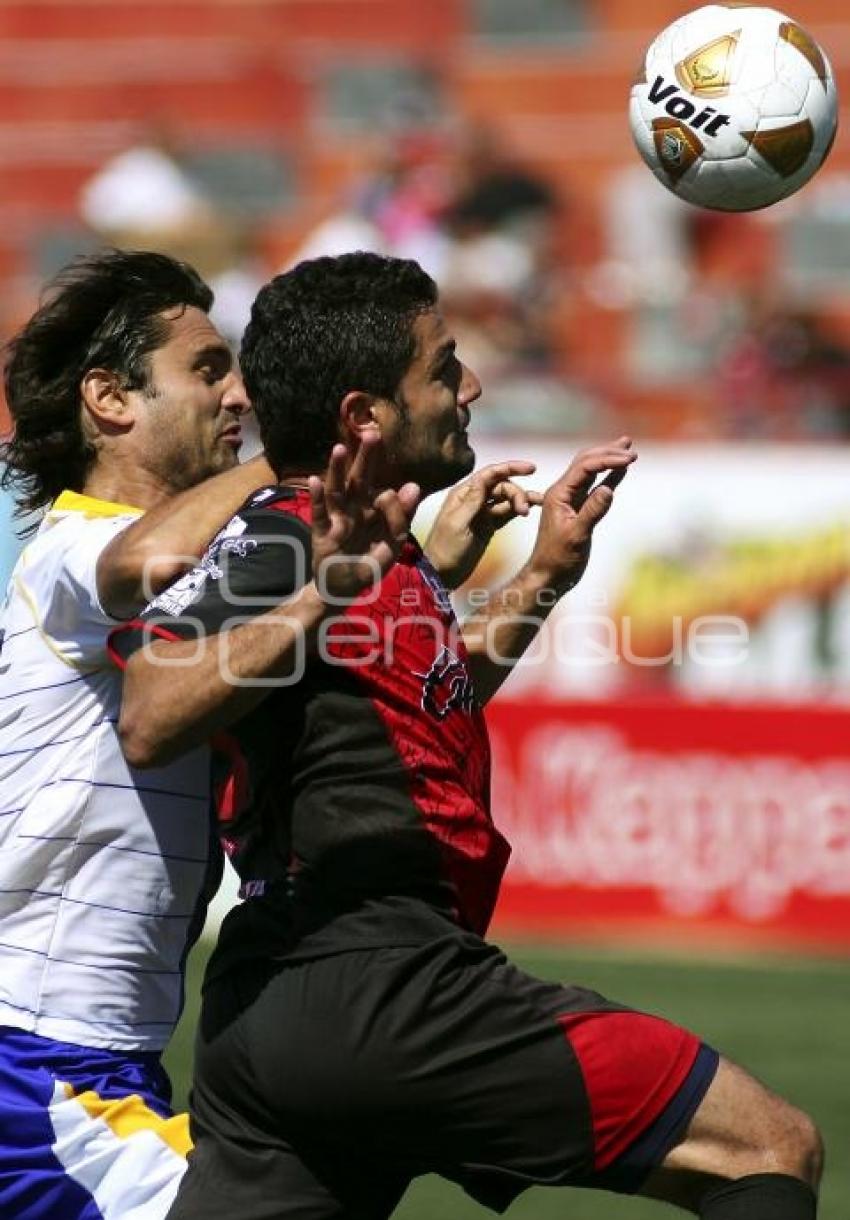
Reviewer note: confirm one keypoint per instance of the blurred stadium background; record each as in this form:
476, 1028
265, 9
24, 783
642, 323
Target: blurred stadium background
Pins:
672, 763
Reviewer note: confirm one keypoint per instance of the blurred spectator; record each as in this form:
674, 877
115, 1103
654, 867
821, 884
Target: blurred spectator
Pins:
480, 224
145, 198
648, 239
145, 190
783, 377
150, 197
495, 192
395, 208
339, 233
499, 267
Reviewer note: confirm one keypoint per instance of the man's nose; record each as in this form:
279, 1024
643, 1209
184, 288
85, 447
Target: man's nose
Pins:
235, 397
470, 387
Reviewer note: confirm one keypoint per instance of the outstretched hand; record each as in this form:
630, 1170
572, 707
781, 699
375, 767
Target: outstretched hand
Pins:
357, 532
572, 508
470, 515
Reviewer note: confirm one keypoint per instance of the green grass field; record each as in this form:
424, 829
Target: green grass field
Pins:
786, 1019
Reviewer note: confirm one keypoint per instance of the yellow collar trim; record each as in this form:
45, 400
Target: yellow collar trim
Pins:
90, 506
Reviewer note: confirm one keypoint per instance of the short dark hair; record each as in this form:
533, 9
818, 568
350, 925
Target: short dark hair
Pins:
101, 311
325, 327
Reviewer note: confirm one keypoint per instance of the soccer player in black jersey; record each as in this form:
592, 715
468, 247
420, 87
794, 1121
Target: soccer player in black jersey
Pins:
357, 1029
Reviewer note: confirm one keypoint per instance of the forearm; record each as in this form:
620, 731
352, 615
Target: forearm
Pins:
170, 538
506, 625
178, 693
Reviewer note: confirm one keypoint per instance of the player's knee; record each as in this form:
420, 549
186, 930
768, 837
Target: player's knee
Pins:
792, 1144
808, 1144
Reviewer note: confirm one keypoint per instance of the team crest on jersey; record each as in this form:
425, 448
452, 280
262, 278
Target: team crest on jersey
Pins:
446, 686
178, 597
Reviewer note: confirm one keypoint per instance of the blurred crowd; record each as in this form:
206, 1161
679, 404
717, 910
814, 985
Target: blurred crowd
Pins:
678, 326
480, 223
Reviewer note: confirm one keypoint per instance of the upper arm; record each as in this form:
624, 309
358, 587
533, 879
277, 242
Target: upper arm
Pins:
127, 575
252, 565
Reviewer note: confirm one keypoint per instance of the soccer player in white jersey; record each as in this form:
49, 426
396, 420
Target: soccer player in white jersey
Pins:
123, 395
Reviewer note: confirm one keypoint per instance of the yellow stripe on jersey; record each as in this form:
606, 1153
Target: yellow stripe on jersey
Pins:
126, 1115
89, 506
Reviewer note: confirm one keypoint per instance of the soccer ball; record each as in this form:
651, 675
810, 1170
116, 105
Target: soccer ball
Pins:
734, 107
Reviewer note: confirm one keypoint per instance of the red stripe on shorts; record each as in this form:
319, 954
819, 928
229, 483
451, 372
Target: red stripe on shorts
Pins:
633, 1066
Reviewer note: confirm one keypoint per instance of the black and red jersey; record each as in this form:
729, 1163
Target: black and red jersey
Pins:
354, 800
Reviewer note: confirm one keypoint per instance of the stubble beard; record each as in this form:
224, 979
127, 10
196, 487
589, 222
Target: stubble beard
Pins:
431, 473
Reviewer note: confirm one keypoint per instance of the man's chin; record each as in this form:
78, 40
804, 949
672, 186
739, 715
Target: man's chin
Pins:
449, 472
466, 460
226, 457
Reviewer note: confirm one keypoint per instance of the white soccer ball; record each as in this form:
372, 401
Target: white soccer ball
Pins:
734, 108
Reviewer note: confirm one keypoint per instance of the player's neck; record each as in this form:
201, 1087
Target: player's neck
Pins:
139, 488
297, 477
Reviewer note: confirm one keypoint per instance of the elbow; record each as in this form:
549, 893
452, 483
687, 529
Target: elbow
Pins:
155, 571
139, 746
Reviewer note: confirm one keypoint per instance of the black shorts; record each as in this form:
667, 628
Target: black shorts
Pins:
322, 1088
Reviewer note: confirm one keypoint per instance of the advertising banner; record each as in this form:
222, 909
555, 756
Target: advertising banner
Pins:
721, 571
716, 824
655, 821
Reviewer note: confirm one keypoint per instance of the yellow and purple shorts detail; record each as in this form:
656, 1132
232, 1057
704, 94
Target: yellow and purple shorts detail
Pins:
86, 1133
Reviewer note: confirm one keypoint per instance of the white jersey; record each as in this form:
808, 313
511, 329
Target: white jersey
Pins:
102, 868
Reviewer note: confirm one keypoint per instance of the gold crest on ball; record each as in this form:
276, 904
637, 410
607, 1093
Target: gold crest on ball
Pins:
677, 146
708, 71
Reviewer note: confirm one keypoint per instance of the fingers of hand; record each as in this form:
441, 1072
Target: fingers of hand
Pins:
335, 475
396, 520
615, 478
316, 488
513, 495
497, 471
500, 514
409, 495
585, 466
383, 555
489, 478
596, 505
362, 471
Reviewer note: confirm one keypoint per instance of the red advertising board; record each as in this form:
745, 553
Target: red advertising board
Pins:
675, 821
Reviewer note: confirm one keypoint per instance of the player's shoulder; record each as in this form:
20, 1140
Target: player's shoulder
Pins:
59, 532
277, 509
65, 548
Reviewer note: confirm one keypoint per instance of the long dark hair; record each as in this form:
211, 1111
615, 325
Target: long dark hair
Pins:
102, 311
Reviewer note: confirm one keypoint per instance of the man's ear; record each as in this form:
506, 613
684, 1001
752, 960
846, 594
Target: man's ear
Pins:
106, 399
357, 415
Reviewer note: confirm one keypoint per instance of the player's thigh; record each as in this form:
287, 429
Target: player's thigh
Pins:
264, 1109
582, 1091
740, 1128
458, 1062
240, 1181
